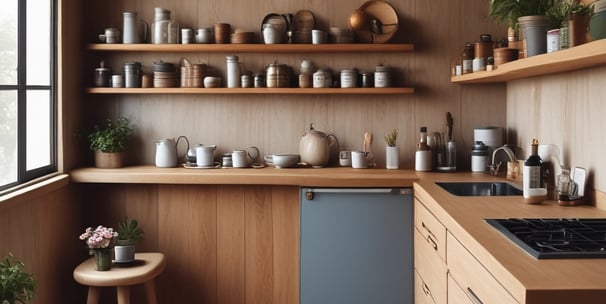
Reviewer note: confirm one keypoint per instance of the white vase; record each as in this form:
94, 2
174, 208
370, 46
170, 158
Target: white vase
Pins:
124, 254
392, 157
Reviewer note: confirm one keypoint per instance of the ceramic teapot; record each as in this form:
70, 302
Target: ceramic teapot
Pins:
315, 147
166, 152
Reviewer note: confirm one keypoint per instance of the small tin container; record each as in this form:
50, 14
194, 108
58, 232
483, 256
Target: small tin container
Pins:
382, 77
319, 79
366, 80
259, 80
349, 78
246, 81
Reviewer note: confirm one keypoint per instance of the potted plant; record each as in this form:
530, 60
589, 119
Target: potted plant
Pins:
392, 152
100, 242
16, 285
109, 142
527, 16
573, 19
129, 233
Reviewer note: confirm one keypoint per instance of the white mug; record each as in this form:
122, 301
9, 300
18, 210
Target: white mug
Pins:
359, 160
205, 156
345, 158
239, 159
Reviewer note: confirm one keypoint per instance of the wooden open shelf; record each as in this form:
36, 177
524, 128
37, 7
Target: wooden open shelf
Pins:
256, 48
292, 91
583, 56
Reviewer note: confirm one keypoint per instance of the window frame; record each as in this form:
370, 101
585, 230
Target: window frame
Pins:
22, 88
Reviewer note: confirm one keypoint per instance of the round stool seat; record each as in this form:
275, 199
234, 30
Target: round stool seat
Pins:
143, 270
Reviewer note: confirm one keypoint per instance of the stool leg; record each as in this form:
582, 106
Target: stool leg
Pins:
150, 292
93, 295
123, 295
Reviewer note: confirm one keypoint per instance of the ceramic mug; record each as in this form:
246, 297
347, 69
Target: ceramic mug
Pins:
205, 155
239, 159
359, 160
111, 35
345, 158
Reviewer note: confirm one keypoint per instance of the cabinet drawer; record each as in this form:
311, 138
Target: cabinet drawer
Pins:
431, 269
431, 229
422, 293
475, 281
456, 295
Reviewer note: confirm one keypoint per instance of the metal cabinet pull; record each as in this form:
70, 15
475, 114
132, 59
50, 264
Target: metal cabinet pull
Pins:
473, 297
426, 289
432, 242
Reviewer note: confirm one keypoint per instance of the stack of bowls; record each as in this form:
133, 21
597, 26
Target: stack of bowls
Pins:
504, 55
165, 75
192, 75
341, 35
222, 33
243, 37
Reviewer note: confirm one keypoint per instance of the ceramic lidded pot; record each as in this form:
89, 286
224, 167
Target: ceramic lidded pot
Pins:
315, 147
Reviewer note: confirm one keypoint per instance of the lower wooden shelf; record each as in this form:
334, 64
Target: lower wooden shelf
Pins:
293, 91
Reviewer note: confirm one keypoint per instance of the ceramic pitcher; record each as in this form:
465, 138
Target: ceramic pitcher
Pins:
166, 152
134, 30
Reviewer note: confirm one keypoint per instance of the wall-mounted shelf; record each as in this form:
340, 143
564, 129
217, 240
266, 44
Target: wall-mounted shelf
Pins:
255, 48
291, 91
591, 54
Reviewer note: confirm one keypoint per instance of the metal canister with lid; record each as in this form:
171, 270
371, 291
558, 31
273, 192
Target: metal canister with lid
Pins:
277, 75
349, 78
382, 77
479, 157
132, 75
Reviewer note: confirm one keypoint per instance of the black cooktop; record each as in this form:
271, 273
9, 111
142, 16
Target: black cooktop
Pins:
563, 238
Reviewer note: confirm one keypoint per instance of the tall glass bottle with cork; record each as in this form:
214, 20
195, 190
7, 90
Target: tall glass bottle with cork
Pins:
533, 181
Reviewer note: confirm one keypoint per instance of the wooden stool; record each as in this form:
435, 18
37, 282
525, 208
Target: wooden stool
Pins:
143, 270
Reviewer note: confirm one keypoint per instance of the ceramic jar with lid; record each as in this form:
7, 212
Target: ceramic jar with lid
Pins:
278, 75
349, 78
102, 75
479, 157
233, 72
132, 75
382, 77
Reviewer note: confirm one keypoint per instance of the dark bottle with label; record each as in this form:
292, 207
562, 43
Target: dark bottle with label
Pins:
532, 168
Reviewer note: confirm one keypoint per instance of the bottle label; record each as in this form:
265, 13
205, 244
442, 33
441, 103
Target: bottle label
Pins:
532, 177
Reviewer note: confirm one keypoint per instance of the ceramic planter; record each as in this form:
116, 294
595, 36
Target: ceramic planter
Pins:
109, 160
534, 31
124, 254
392, 157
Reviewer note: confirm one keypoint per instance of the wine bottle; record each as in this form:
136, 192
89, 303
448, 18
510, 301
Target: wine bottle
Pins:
532, 169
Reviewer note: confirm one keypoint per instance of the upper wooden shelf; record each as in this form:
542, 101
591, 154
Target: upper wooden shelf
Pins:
255, 48
583, 56
295, 91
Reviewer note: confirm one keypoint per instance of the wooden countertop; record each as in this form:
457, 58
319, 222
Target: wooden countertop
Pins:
529, 280
307, 177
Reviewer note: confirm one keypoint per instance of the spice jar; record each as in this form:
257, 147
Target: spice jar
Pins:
349, 78
467, 58
479, 157
382, 77
277, 75
132, 75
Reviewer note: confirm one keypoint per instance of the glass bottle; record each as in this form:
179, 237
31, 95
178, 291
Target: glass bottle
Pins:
423, 156
467, 58
532, 168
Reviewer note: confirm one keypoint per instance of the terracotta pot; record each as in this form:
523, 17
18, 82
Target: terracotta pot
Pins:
109, 160
578, 28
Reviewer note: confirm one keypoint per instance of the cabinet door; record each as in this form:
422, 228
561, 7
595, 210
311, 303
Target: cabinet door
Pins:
423, 294
456, 295
477, 283
432, 231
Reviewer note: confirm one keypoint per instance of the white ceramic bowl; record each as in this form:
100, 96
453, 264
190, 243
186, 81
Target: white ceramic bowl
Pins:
283, 160
212, 82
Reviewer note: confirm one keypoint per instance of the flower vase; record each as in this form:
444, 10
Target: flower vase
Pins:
392, 157
103, 258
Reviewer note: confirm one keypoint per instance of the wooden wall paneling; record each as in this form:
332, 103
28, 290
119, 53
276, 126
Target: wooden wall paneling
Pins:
173, 211
259, 249
285, 232
202, 249
231, 245
141, 203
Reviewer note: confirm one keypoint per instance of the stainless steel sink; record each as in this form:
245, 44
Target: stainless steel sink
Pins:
480, 188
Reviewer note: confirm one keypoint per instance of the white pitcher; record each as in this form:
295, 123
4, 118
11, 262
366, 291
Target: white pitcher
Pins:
166, 152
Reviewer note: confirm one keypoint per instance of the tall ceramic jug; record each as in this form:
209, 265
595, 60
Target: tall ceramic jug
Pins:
163, 29
134, 30
166, 152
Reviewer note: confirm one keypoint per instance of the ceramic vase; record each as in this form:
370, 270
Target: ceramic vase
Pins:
103, 258
392, 157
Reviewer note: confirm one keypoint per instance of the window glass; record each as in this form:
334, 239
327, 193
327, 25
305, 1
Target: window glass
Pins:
38, 42
8, 46
8, 137
38, 129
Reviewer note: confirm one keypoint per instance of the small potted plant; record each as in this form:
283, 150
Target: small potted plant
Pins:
16, 285
129, 233
109, 142
392, 152
100, 242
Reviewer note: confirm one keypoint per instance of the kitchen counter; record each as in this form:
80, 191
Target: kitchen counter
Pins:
528, 280
306, 177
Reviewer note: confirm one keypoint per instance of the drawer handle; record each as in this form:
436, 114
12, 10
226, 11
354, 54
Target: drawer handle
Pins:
426, 289
433, 243
427, 229
472, 295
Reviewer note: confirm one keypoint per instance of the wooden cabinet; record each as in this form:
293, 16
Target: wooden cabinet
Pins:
476, 282
429, 256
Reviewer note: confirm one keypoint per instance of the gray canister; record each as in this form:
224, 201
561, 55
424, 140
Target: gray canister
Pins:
132, 75
479, 157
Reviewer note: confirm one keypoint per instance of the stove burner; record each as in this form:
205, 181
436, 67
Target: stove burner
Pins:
556, 238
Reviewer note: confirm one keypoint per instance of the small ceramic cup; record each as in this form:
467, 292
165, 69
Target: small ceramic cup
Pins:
359, 160
239, 159
345, 158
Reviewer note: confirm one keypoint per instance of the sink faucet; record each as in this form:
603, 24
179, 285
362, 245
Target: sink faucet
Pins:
494, 168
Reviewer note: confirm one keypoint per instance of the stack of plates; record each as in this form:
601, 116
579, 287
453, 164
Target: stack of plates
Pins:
192, 75
165, 75
341, 35
243, 37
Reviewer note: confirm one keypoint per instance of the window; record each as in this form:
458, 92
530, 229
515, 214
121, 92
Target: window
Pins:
27, 91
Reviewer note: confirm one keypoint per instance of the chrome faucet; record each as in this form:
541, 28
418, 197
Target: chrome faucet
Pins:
494, 168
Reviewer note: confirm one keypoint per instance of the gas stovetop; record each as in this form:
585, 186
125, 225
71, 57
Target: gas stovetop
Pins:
556, 238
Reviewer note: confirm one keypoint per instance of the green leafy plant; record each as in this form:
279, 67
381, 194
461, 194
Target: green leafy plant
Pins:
563, 10
390, 139
129, 232
508, 11
16, 286
113, 137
